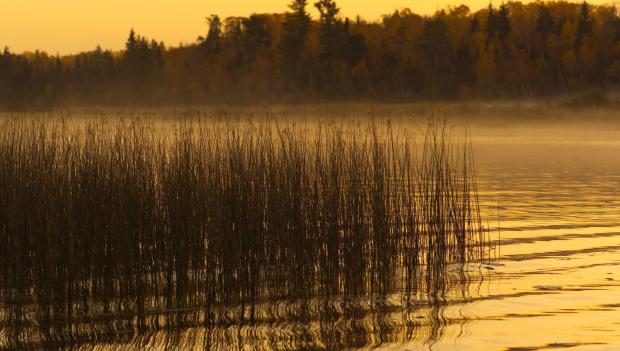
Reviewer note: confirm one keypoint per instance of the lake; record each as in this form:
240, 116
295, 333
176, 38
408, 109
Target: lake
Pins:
549, 195
557, 283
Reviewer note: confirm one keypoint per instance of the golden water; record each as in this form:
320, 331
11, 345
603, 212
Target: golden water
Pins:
557, 285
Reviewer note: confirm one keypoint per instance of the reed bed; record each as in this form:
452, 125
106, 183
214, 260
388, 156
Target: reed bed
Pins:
178, 225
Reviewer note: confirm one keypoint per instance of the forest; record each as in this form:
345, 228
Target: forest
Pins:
515, 50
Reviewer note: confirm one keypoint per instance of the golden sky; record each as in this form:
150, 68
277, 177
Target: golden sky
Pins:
69, 26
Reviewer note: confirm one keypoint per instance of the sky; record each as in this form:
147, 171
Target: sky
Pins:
71, 26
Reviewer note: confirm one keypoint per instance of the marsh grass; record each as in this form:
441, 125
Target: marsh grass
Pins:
203, 222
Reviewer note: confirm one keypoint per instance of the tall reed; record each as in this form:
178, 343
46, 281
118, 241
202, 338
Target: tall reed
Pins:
171, 225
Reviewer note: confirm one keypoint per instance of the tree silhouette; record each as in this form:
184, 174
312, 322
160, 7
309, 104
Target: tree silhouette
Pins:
544, 21
295, 30
584, 25
514, 50
503, 22
436, 50
212, 42
329, 29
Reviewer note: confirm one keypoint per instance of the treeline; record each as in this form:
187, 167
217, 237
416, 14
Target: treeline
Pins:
514, 50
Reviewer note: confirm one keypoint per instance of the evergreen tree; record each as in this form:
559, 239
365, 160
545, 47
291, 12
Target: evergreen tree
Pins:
131, 43
329, 37
584, 25
256, 35
436, 50
214, 37
329, 26
503, 22
352, 45
544, 20
498, 23
295, 29
492, 25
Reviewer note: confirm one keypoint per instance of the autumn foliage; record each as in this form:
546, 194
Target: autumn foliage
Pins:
514, 50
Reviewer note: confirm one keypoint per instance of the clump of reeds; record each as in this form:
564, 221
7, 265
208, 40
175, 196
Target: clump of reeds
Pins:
164, 226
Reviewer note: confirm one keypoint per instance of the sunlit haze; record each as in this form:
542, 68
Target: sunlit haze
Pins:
69, 26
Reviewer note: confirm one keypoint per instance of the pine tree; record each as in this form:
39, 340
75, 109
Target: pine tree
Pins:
436, 50
544, 20
491, 23
214, 37
329, 28
503, 22
295, 29
584, 25
131, 41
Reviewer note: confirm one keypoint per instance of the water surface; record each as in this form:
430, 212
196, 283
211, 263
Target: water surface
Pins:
557, 284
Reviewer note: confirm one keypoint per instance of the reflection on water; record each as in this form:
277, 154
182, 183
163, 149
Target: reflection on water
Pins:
557, 285
332, 323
